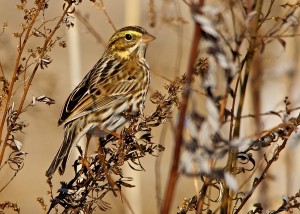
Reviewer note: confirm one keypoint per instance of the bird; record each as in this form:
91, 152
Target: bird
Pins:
116, 86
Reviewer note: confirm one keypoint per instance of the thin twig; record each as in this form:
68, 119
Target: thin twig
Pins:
267, 14
15, 72
259, 166
8, 182
179, 41
248, 60
268, 113
42, 53
90, 28
233, 108
158, 167
102, 7
202, 195
231, 162
126, 201
196, 90
263, 174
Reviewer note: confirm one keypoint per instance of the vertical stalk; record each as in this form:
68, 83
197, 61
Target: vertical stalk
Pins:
179, 129
26, 88
15, 72
231, 162
256, 81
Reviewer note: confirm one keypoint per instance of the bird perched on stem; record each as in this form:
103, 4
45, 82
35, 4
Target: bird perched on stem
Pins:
115, 86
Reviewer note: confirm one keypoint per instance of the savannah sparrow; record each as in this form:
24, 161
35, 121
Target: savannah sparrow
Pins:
115, 86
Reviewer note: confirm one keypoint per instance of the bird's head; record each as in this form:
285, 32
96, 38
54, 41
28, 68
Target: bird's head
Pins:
129, 41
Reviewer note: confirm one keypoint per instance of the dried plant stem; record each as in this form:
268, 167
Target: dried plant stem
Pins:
158, 167
10, 180
290, 159
274, 113
15, 72
226, 202
179, 40
90, 28
268, 13
43, 51
259, 166
223, 108
110, 180
179, 129
263, 174
125, 200
233, 108
248, 60
101, 4
13, 80
256, 103
202, 194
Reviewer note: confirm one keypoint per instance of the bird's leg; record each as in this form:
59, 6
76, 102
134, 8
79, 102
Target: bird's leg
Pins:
85, 161
110, 180
88, 138
115, 134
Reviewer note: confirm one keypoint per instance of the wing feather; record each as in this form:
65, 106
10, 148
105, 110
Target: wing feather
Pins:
96, 91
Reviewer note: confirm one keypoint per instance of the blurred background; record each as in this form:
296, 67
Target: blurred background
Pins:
171, 23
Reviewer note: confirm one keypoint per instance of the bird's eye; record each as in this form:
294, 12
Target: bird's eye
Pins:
128, 37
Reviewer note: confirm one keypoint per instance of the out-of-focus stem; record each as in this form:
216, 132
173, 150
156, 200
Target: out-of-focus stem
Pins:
90, 28
202, 195
74, 55
256, 81
179, 129
266, 169
249, 59
231, 162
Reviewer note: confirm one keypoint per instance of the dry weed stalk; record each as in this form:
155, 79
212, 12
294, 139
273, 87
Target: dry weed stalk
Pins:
34, 26
234, 32
208, 144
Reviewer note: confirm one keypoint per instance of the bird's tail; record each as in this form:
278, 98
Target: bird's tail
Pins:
62, 156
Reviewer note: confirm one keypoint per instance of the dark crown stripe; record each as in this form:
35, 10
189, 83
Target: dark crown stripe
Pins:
133, 28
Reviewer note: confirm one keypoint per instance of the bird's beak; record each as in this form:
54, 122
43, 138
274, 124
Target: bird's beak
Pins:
147, 38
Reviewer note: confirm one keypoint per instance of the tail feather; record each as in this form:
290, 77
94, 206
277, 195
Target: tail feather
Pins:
63, 152
71, 138
63, 164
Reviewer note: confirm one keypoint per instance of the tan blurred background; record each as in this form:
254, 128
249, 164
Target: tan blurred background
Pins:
167, 55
